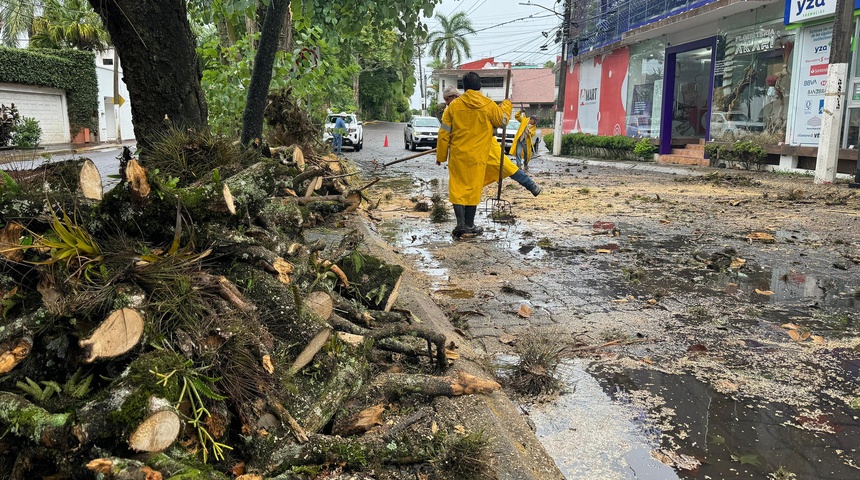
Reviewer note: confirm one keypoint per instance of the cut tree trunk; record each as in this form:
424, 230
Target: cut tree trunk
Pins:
118, 334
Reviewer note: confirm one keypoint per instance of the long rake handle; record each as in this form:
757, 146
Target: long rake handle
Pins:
410, 157
504, 138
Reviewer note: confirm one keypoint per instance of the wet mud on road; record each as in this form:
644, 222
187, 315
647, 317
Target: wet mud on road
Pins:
726, 304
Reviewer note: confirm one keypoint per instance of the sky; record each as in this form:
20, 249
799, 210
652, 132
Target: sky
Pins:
505, 31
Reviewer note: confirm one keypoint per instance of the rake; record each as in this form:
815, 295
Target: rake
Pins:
497, 209
377, 165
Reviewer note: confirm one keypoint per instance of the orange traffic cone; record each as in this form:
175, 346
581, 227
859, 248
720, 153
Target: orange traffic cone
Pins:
386, 141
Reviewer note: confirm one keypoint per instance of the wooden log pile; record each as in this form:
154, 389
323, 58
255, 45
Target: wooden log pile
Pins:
180, 324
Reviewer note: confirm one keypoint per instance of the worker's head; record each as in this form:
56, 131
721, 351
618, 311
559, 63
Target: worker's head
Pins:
450, 93
533, 120
471, 81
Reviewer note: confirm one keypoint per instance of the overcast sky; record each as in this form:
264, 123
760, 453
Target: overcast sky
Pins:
505, 32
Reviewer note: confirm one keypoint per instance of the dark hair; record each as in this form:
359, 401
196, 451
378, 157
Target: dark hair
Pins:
471, 81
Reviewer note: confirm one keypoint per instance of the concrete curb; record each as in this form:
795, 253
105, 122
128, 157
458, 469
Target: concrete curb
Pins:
516, 452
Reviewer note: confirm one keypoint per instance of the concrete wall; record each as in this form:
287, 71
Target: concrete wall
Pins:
47, 105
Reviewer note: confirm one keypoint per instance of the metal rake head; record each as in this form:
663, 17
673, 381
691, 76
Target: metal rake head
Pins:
499, 211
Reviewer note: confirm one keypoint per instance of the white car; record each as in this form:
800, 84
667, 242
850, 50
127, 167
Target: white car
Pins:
421, 132
736, 123
354, 136
510, 132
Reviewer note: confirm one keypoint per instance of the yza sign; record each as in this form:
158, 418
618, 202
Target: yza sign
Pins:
799, 11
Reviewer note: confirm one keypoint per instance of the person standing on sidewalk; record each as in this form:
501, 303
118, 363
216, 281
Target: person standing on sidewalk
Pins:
524, 140
337, 134
465, 138
491, 174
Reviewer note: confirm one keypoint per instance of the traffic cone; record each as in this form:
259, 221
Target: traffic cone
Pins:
386, 141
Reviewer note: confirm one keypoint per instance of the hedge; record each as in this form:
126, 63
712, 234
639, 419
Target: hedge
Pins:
71, 70
588, 145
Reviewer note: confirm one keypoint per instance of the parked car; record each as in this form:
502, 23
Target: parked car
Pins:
638, 126
354, 136
736, 123
421, 132
510, 132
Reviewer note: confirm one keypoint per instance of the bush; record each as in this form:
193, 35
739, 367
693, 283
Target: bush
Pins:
645, 149
547, 140
28, 133
745, 153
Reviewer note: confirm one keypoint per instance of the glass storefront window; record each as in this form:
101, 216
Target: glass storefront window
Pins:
752, 84
645, 89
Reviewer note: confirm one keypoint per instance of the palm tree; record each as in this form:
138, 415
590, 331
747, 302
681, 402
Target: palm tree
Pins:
69, 23
449, 39
16, 17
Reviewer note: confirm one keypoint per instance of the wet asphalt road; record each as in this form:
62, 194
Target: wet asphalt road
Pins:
599, 428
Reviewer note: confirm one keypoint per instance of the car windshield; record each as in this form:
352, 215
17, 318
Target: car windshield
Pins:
333, 119
426, 122
513, 125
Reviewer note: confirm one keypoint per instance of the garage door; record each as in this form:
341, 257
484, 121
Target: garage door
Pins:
47, 105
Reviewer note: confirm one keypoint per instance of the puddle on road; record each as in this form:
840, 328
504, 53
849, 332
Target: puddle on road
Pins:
607, 424
590, 435
739, 438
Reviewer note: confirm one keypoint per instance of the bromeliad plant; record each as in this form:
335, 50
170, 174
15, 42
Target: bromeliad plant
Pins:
70, 243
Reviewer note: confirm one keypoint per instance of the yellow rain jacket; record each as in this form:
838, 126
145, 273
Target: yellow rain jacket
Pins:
491, 173
466, 138
529, 131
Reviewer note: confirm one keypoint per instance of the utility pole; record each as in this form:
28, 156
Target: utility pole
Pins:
562, 80
834, 93
421, 83
116, 102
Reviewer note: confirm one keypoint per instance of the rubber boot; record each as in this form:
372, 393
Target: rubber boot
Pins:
470, 221
460, 215
527, 182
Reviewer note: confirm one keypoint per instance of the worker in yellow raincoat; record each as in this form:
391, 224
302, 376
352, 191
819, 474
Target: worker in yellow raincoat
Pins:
467, 129
524, 140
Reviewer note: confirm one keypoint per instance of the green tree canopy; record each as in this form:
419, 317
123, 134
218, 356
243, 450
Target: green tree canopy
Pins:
69, 23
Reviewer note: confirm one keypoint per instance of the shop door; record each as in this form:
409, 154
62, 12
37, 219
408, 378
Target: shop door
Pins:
687, 91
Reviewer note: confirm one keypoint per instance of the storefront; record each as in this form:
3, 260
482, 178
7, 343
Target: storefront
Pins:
722, 71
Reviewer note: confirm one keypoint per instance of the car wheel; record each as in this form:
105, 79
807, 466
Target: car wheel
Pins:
405, 143
412, 146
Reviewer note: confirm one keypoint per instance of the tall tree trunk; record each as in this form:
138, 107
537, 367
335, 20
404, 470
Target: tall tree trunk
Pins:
261, 76
286, 43
159, 59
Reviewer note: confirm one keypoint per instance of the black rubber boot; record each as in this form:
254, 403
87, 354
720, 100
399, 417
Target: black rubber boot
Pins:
460, 215
527, 182
470, 221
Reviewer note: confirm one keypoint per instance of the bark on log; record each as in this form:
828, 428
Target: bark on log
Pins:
376, 280
114, 468
432, 336
35, 423
394, 385
188, 468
